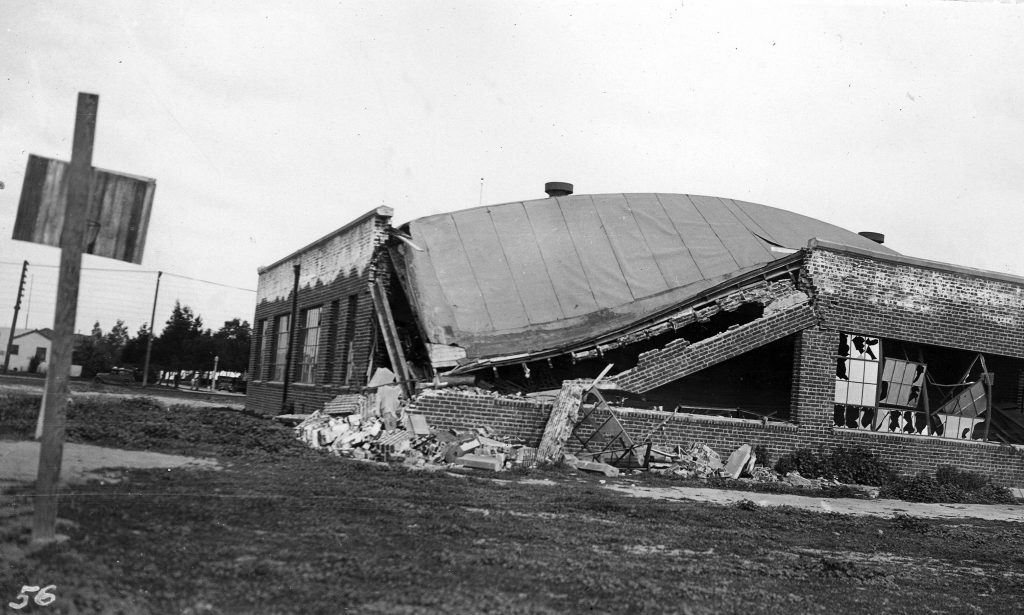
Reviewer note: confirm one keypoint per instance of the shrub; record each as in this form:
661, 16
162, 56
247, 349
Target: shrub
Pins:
949, 485
761, 453
857, 465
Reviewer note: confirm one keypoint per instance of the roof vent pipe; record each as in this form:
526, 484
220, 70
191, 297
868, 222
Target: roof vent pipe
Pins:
875, 237
558, 189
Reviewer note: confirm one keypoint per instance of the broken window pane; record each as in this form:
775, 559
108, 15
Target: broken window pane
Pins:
902, 382
857, 371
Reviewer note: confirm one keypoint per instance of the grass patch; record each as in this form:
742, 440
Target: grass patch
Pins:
140, 423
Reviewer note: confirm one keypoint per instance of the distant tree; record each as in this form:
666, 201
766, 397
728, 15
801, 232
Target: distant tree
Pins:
183, 344
231, 344
134, 352
115, 341
93, 353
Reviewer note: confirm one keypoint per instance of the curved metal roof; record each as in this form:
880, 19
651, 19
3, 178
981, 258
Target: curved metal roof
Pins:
535, 275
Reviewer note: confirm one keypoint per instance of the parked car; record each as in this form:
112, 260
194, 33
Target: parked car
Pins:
117, 375
231, 385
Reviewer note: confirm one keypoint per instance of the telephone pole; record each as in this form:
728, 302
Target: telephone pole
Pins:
14, 322
149, 338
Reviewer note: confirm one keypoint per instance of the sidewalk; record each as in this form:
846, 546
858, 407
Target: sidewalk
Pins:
19, 462
846, 506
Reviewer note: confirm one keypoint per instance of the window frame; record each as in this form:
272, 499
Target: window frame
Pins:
282, 333
309, 359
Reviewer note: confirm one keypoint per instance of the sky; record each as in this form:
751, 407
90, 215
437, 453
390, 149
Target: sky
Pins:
267, 124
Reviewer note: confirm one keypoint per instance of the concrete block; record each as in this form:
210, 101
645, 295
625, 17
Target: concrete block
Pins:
482, 462
596, 466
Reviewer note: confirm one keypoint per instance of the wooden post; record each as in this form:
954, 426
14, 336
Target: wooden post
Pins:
561, 422
51, 449
149, 338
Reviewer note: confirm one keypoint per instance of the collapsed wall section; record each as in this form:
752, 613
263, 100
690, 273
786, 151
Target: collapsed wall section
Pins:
508, 416
526, 418
679, 358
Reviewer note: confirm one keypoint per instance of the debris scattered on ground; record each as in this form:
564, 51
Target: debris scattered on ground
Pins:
379, 427
412, 441
589, 466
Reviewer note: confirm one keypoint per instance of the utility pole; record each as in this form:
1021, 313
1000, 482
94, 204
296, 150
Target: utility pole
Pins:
14, 322
28, 306
51, 449
149, 338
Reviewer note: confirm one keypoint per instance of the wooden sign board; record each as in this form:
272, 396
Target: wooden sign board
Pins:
120, 204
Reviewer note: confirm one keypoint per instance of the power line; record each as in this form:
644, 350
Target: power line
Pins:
147, 271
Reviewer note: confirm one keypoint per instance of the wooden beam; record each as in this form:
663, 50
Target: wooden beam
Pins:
391, 340
563, 418
51, 450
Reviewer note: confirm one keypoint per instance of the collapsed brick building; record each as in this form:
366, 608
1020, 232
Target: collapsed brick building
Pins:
724, 322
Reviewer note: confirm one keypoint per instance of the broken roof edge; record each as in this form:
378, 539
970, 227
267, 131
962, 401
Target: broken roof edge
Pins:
384, 211
730, 284
915, 261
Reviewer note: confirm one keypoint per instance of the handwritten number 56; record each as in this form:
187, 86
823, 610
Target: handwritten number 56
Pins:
43, 596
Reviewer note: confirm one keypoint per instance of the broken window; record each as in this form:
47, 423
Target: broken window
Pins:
857, 370
933, 391
310, 344
901, 383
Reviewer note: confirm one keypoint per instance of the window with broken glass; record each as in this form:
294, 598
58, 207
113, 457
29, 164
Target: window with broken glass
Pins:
941, 392
281, 347
857, 370
310, 344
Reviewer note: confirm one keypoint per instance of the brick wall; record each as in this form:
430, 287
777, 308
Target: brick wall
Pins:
332, 270
911, 300
915, 301
467, 410
525, 419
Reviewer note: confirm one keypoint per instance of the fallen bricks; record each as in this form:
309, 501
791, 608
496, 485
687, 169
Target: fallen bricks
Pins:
411, 441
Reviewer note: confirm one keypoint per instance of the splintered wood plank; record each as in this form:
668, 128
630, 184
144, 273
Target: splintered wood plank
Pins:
561, 421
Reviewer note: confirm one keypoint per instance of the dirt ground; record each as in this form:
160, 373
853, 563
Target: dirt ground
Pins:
284, 529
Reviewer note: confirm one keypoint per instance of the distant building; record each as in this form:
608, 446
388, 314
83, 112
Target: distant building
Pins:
725, 322
29, 344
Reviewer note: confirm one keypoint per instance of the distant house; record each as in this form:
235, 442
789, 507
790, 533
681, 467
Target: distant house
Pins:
26, 345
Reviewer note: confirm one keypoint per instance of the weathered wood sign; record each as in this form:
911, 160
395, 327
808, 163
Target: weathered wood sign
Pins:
118, 209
